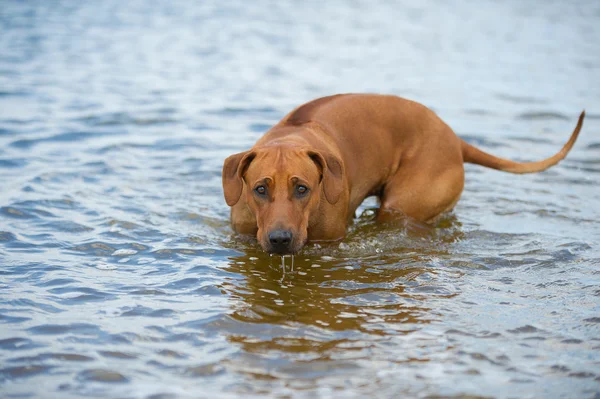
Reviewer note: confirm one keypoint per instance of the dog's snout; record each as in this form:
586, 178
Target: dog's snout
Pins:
280, 240
280, 237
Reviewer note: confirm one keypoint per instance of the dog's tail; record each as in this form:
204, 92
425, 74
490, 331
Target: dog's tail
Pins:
476, 156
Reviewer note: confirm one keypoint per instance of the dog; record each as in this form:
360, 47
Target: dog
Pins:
305, 177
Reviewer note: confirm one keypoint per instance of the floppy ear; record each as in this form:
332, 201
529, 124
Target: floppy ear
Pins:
234, 168
332, 172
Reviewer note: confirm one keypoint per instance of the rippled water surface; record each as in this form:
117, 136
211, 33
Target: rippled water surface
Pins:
120, 276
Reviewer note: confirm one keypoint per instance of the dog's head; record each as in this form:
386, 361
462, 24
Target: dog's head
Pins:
284, 186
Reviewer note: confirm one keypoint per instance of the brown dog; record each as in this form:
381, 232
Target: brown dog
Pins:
306, 176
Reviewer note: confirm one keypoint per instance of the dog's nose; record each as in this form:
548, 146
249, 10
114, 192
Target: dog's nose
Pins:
280, 240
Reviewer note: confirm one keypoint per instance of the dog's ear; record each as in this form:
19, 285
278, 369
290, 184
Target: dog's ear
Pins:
234, 168
332, 174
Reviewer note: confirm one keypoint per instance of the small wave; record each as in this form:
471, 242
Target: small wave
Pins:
124, 118
13, 212
543, 115
593, 146
235, 111
148, 291
529, 139
118, 355
479, 111
24, 371
148, 312
6, 236
526, 329
97, 248
87, 294
12, 319
189, 282
62, 137
70, 357
59, 329
56, 282
102, 375
6, 93
17, 343
66, 226
520, 99
13, 163
205, 370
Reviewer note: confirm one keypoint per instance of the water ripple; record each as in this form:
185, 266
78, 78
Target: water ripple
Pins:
62, 137
121, 277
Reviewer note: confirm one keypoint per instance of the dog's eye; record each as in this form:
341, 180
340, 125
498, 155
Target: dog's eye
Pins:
301, 190
260, 190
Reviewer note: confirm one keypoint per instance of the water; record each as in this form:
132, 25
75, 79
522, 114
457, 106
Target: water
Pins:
120, 276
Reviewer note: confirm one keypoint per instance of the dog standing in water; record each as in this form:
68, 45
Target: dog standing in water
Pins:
303, 180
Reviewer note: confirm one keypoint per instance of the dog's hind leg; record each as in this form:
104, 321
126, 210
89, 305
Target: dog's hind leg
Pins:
423, 194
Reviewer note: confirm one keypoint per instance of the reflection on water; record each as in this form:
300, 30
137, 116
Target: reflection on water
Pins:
120, 276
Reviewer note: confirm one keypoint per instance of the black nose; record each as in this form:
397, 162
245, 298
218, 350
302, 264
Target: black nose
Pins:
280, 240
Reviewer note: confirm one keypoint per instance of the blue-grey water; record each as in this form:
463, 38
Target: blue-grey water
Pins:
120, 276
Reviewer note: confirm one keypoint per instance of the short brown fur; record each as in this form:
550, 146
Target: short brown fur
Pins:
342, 149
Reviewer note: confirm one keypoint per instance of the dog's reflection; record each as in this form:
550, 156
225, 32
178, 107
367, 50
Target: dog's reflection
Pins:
323, 296
338, 295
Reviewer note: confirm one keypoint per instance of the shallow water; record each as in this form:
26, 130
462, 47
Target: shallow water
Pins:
120, 276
